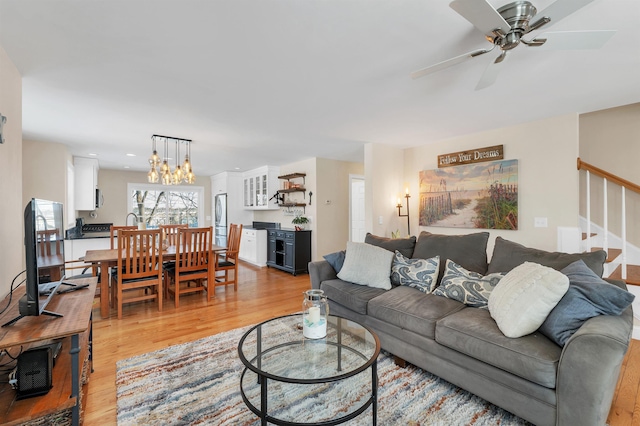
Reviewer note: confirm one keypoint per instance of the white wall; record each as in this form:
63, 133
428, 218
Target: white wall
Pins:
11, 207
548, 180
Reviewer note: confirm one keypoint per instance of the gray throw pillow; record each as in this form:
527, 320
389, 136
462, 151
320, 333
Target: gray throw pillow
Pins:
588, 296
417, 273
471, 288
403, 245
368, 265
507, 255
336, 260
468, 251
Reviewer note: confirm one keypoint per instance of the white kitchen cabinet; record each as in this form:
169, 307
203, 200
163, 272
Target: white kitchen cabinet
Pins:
253, 246
259, 185
86, 182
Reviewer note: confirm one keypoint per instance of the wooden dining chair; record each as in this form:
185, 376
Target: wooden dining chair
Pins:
226, 261
170, 233
113, 233
193, 261
139, 267
47, 240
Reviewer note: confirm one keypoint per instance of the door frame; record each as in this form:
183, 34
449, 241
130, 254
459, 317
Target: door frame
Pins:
352, 178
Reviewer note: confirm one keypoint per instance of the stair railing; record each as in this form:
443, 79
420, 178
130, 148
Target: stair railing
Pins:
624, 185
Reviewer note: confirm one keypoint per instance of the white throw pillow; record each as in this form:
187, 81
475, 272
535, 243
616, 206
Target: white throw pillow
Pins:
366, 264
524, 297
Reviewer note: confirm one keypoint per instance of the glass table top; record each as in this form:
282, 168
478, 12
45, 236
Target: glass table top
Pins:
277, 349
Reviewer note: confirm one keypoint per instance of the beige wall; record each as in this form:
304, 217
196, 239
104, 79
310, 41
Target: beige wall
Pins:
113, 184
11, 207
384, 182
610, 140
546, 151
44, 171
332, 220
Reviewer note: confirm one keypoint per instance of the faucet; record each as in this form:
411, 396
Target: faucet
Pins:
134, 215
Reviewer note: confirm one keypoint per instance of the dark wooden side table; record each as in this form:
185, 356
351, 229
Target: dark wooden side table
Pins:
75, 330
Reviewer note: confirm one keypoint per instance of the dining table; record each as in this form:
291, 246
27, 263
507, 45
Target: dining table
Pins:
107, 258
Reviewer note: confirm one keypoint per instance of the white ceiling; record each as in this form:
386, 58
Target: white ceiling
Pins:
257, 82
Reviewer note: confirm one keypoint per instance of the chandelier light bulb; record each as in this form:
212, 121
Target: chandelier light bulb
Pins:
153, 175
190, 177
186, 166
166, 178
178, 175
154, 160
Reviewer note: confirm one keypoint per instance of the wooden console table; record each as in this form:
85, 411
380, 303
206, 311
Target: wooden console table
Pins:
75, 328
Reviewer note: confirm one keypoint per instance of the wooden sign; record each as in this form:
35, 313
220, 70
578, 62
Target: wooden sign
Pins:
489, 153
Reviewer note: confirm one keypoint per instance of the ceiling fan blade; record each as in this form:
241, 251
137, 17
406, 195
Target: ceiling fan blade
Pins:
574, 40
558, 10
482, 15
490, 74
448, 63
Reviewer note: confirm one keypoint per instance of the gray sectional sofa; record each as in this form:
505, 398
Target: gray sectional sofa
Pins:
530, 376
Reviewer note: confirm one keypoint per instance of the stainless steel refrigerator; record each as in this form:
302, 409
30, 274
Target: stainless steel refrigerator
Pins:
220, 227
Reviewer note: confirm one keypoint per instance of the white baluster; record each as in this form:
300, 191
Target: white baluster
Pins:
624, 235
588, 211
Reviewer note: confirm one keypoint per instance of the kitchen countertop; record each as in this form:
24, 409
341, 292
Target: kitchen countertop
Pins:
90, 235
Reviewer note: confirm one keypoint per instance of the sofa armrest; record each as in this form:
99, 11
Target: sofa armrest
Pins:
589, 368
321, 271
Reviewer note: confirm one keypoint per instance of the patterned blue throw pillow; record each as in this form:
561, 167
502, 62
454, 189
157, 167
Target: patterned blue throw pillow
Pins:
471, 288
421, 274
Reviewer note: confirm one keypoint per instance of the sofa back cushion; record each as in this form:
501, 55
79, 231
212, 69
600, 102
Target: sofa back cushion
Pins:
468, 251
403, 245
507, 255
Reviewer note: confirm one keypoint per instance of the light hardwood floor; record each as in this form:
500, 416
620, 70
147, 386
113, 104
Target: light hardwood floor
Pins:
262, 293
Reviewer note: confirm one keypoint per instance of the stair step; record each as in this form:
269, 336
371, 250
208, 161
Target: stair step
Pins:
633, 274
584, 235
612, 253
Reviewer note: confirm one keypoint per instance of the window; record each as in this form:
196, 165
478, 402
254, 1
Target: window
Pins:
166, 205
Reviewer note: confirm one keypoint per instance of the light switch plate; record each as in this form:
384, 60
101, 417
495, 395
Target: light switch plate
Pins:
540, 222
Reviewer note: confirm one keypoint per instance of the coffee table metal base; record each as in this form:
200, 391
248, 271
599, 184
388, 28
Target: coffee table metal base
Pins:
254, 376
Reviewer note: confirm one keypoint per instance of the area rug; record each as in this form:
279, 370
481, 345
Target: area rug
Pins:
198, 383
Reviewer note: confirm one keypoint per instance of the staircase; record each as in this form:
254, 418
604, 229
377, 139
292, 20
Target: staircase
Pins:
623, 258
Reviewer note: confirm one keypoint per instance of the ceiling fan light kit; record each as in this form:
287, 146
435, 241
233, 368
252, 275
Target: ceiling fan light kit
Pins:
506, 26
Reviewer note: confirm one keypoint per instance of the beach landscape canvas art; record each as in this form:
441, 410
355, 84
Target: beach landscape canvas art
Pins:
480, 195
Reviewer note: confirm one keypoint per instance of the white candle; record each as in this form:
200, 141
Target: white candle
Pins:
314, 314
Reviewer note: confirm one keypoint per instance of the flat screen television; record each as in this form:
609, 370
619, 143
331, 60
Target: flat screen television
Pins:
44, 255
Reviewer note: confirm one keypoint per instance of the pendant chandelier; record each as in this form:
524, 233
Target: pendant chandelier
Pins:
161, 171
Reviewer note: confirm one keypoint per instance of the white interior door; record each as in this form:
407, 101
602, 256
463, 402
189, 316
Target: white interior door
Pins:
357, 230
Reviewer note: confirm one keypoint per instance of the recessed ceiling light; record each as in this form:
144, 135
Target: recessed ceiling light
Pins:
236, 168
131, 155
93, 154
127, 167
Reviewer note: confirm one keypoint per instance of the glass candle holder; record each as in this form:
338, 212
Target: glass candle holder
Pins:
315, 310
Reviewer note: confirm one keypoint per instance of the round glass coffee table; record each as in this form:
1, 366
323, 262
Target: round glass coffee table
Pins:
290, 380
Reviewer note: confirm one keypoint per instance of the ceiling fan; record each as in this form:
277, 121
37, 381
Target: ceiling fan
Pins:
505, 28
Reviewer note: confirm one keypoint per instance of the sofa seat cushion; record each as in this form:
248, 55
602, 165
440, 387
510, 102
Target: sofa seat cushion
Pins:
411, 309
352, 296
473, 332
